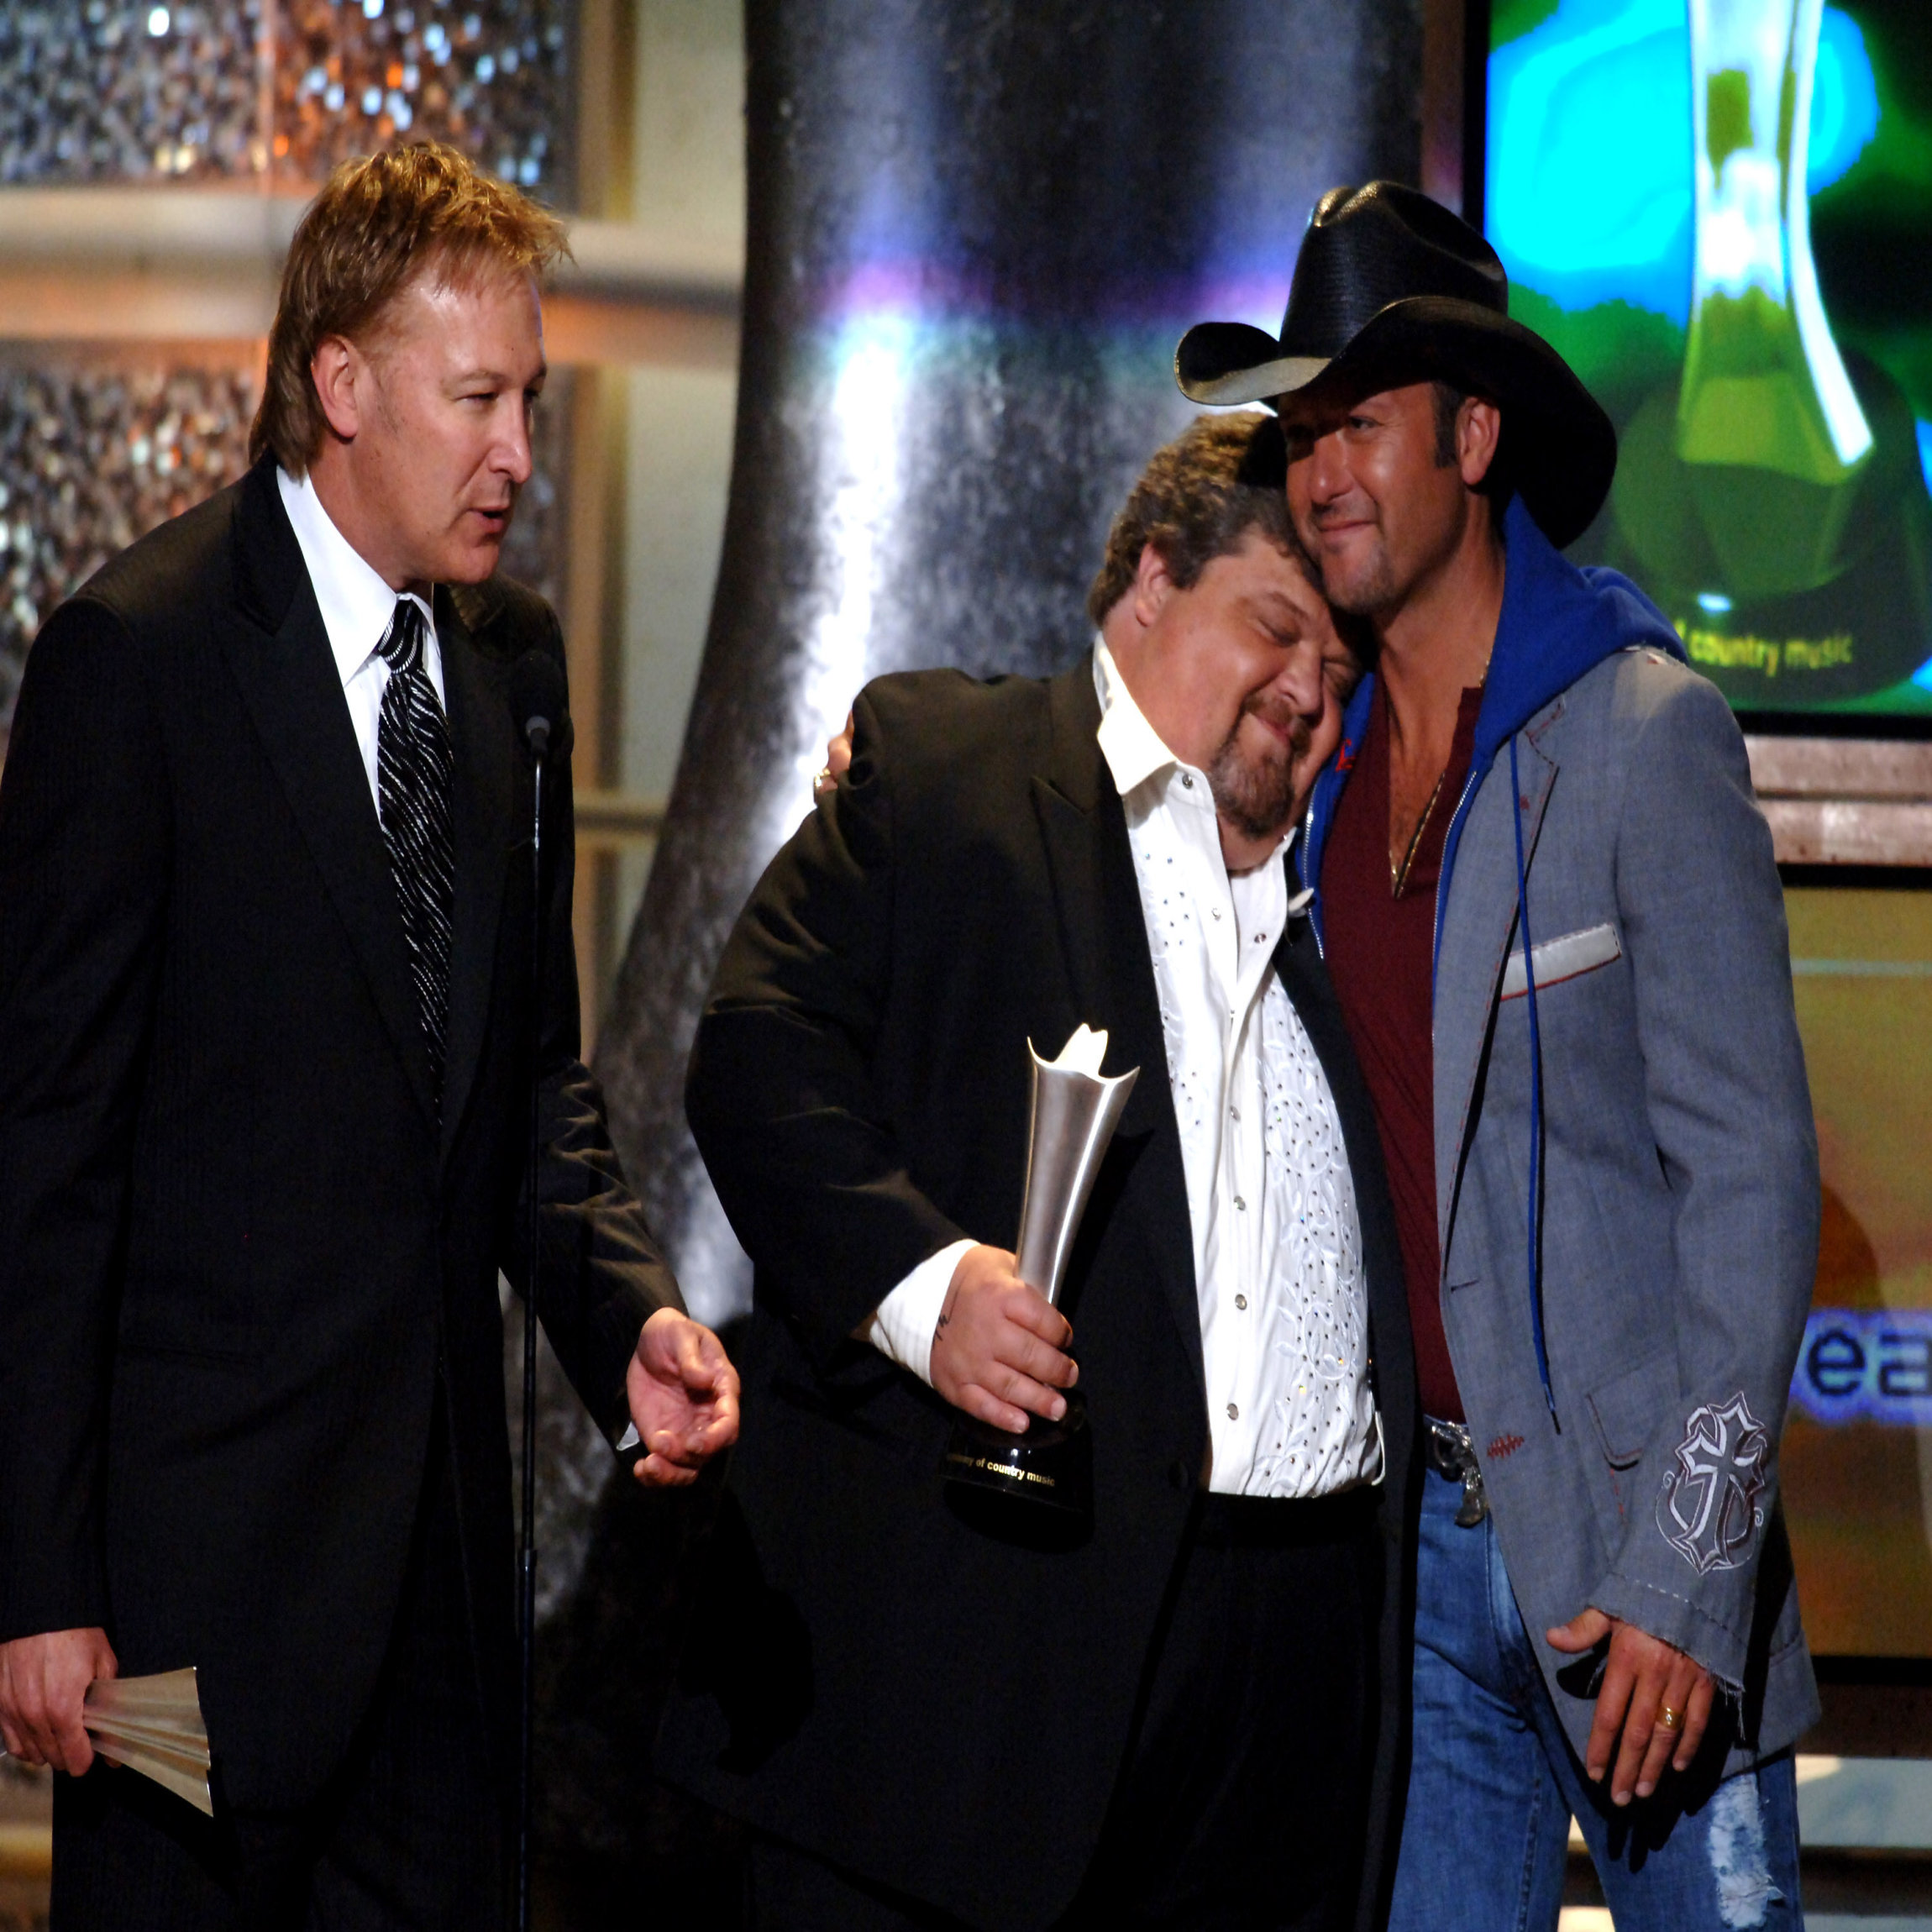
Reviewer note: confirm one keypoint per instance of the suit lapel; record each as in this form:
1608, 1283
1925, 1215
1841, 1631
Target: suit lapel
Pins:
483, 739
279, 657
1104, 940
1478, 926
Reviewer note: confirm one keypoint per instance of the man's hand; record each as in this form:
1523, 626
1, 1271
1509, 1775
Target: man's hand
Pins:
838, 760
43, 1680
998, 1350
1644, 1676
682, 1393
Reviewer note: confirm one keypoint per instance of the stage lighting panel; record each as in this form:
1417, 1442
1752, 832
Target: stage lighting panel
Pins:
206, 91
493, 78
91, 458
104, 91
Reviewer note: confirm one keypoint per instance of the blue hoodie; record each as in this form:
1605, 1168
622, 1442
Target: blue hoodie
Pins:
1557, 622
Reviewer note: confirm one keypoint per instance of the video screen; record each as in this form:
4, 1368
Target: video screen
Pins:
1857, 1451
1720, 212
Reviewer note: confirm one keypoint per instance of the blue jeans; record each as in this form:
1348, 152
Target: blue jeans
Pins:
1494, 1784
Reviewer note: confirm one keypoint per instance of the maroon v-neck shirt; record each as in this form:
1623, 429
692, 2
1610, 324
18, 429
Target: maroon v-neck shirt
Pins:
1380, 952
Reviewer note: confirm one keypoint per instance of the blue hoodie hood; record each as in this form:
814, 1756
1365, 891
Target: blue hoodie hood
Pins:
1557, 621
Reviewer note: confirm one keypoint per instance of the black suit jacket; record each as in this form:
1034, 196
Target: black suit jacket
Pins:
870, 1675
237, 1247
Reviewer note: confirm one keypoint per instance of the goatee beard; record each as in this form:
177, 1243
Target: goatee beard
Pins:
1373, 590
1257, 797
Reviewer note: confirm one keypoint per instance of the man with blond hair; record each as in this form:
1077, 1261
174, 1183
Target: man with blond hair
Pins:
272, 1042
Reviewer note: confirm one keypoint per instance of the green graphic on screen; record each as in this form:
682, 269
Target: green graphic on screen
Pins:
1720, 212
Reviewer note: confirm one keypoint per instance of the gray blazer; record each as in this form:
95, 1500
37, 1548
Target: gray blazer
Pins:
1680, 1186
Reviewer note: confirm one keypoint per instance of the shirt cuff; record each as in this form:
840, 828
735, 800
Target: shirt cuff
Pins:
902, 1325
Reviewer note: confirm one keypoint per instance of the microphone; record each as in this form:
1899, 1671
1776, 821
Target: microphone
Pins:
537, 703
537, 700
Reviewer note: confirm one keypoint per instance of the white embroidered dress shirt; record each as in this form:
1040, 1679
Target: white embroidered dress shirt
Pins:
1277, 1240
357, 606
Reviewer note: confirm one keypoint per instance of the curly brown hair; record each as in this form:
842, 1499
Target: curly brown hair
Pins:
377, 225
1197, 499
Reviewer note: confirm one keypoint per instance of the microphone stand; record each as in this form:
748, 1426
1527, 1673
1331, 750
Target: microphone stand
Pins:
537, 731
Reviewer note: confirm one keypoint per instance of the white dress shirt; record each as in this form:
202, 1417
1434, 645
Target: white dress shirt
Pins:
357, 606
1277, 1241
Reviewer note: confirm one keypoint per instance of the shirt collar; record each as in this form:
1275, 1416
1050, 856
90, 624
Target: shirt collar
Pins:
357, 605
1135, 751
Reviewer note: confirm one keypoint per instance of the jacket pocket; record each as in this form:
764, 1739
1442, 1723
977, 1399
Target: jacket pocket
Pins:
883, 1411
190, 1343
1557, 960
1626, 1408
189, 1315
1624, 1411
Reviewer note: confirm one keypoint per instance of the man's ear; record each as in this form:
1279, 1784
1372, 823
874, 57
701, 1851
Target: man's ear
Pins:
340, 373
1153, 585
1479, 430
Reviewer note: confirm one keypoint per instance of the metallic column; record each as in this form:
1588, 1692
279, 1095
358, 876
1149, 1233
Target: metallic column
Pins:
976, 228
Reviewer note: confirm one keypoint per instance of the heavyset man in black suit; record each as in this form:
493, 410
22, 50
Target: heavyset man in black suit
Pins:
267, 1049
1191, 1715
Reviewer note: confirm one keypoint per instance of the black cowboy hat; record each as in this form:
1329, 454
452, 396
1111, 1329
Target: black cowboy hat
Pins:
1392, 287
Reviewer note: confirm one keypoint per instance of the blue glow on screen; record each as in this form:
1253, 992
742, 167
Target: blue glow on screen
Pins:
1599, 77
1611, 78
1843, 101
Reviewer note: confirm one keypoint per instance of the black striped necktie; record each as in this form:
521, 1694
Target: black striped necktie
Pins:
412, 769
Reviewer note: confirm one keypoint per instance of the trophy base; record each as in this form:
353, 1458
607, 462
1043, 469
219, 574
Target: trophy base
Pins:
1050, 1467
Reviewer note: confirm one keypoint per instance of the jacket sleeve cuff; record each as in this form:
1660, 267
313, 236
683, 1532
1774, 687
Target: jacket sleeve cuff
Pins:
1676, 1620
903, 1324
39, 1597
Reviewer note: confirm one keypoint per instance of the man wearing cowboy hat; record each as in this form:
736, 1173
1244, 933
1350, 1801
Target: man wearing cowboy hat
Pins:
1571, 996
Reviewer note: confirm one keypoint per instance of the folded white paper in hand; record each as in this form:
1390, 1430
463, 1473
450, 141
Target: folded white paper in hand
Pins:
154, 1725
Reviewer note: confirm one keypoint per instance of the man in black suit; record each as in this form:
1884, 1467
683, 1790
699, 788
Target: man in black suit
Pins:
1187, 1713
268, 1040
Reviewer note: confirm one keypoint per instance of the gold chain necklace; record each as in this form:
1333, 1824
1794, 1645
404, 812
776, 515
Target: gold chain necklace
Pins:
1398, 874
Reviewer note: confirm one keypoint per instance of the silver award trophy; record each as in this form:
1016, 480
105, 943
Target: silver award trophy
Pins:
1075, 1111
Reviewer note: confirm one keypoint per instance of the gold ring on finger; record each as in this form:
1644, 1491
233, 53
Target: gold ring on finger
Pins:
1667, 1717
